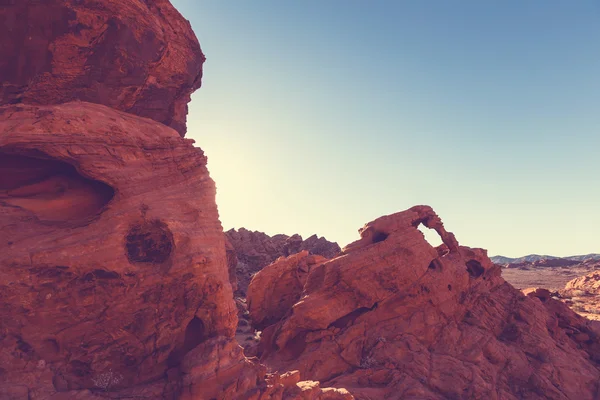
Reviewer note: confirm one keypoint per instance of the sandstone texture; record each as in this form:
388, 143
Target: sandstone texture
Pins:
255, 250
272, 294
395, 318
103, 266
138, 56
114, 276
116, 279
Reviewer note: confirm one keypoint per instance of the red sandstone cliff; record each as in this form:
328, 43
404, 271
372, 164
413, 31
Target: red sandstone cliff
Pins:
114, 279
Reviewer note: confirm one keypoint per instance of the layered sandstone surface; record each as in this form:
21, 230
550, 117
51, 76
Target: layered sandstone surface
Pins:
138, 56
395, 318
114, 275
103, 268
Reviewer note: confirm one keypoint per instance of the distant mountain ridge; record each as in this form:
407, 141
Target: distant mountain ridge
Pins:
537, 257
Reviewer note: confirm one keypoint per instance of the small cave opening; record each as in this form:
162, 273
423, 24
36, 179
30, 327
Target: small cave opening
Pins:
379, 236
53, 190
149, 242
474, 268
194, 335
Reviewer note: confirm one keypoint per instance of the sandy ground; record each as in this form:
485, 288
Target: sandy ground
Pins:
551, 278
555, 279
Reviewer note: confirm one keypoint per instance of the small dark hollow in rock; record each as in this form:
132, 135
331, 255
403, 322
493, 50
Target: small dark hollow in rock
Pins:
474, 268
80, 368
435, 265
379, 237
24, 346
510, 333
150, 242
51, 346
102, 274
194, 335
52, 190
449, 287
130, 360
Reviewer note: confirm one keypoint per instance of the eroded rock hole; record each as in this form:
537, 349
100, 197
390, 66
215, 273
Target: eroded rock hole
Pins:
51, 189
194, 335
474, 268
102, 274
379, 237
435, 265
150, 242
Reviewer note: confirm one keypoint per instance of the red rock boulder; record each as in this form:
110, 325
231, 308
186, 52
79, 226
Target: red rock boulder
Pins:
395, 318
138, 56
276, 288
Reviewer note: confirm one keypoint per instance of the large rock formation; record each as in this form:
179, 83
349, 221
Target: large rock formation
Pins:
138, 56
396, 318
114, 276
103, 265
255, 250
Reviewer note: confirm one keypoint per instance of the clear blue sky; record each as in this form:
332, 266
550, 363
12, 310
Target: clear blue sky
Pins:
319, 116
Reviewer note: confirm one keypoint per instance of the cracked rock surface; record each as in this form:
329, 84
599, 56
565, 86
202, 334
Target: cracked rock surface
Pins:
395, 318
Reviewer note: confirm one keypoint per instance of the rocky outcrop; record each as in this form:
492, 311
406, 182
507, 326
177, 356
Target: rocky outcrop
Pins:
272, 293
138, 56
103, 268
256, 250
589, 283
218, 369
396, 318
582, 294
114, 274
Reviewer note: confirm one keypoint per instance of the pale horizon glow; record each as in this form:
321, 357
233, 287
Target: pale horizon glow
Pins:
318, 117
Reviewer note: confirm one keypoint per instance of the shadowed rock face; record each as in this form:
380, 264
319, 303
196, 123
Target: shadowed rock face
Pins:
51, 190
139, 56
395, 318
